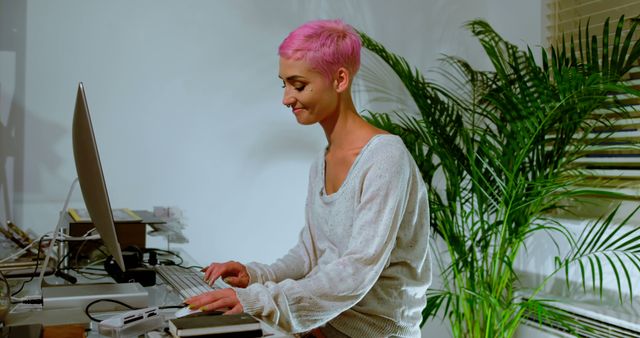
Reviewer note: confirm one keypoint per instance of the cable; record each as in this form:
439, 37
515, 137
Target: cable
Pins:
171, 306
66, 276
25, 300
68, 238
82, 271
57, 271
62, 260
167, 252
35, 270
77, 254
92, 275
19, 253
88, 232
86, 309
57, 229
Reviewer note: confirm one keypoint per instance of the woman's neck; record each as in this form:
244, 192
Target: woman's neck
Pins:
342, 126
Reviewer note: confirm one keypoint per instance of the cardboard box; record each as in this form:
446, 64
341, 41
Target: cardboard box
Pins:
129, 233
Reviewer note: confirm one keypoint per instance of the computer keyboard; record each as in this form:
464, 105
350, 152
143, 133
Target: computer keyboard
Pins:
186, 282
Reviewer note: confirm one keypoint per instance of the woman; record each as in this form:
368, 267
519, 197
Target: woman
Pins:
361, 266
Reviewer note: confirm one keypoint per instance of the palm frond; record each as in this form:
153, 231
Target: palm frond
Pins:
507, 142
601, 240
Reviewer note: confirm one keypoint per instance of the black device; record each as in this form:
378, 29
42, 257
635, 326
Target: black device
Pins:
135, 269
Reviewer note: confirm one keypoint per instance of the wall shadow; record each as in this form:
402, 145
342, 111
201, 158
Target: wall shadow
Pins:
13, 23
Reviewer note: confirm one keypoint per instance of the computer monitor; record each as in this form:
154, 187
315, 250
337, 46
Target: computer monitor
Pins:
91, 178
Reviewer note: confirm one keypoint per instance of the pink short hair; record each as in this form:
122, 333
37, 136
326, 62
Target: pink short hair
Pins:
325, 44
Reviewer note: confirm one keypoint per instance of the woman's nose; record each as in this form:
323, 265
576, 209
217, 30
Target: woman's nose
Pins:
287, 100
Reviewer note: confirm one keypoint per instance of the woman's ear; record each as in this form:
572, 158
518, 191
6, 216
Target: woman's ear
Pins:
342, 80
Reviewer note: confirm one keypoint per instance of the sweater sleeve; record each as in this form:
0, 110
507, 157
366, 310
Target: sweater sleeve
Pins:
300, 259
327, 290
294, 265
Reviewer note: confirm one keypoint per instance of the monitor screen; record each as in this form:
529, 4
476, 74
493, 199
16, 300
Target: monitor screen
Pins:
91, 179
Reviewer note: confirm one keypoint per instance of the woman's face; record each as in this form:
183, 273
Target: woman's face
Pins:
310, 95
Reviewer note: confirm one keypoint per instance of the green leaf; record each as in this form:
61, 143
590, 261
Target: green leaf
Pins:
600, 285
593, 273
628, 277
617, 275
605, 48
434, 302
584, 286
613, 64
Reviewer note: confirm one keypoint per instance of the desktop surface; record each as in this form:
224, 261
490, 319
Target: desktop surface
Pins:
160, 295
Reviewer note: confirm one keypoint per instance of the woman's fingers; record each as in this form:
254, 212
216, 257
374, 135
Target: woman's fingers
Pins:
235, 310
220, 303
234, 273
215, 300
233, 281
213, 272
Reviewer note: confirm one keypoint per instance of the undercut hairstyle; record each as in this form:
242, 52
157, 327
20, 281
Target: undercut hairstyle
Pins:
326, 45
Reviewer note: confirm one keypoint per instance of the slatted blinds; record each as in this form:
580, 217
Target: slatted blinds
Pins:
614, 164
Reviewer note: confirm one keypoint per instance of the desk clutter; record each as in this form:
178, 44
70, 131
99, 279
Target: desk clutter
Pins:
130, 226
69, 315
19, 251
78, 296
172, 225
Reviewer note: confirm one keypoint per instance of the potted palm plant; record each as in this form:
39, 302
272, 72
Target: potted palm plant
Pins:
507, 142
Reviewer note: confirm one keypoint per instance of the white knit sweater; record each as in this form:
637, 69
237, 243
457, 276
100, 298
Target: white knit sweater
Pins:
362, 262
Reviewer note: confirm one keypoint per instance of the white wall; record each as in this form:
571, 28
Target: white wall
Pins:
185, 102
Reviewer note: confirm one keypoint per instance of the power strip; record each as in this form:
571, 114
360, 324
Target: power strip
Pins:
80, 295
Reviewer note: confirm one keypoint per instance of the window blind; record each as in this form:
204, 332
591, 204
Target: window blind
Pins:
564, 17
612, 163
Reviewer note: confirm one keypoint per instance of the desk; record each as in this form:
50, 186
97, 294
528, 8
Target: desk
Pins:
159, 295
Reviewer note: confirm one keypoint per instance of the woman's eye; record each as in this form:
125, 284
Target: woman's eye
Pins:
297, 86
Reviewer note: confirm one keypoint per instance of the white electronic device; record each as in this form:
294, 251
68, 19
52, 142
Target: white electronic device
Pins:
185, 311
131, 323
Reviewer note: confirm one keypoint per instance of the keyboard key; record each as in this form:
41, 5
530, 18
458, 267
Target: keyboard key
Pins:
186, 282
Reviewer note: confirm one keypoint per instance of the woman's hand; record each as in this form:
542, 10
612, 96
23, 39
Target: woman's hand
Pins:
218, 300
233, 273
